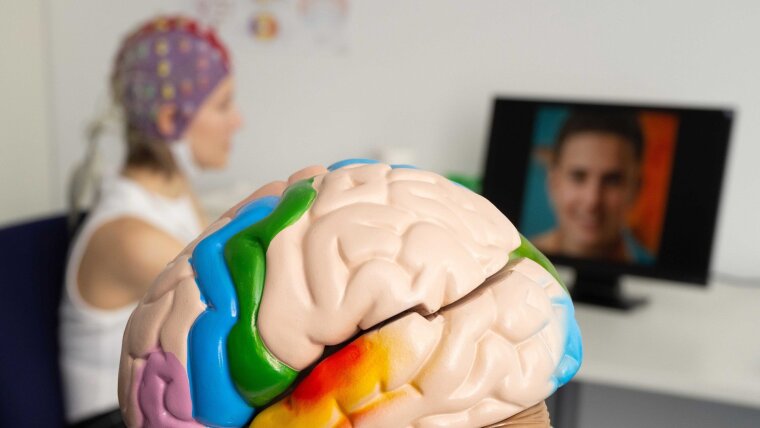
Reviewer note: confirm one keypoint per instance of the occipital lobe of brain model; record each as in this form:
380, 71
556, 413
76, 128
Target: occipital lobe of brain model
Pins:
365, 295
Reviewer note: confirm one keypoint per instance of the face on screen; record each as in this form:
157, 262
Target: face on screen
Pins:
593, 182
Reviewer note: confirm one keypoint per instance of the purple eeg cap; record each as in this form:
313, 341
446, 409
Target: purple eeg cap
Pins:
168, 60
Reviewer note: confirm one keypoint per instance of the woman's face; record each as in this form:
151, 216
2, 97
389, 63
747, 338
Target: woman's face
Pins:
210, 132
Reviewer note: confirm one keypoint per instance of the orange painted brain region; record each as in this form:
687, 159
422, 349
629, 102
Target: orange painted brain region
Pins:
363, 294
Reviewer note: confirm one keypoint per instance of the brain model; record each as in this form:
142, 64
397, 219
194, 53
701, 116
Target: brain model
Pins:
365, 295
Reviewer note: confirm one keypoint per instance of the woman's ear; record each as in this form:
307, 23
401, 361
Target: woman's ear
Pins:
166, 119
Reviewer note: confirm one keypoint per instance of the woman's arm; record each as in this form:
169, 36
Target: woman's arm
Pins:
121, 260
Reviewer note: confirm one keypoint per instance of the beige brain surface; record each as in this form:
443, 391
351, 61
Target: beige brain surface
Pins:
376, 242
476, 362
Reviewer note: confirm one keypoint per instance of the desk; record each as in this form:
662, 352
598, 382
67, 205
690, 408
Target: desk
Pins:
701, 343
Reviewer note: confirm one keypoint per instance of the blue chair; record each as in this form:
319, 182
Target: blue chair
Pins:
32, 263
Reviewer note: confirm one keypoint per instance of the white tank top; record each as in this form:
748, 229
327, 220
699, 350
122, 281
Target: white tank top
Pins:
91, 337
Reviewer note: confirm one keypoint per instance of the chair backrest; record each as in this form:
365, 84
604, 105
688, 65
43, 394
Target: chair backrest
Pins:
32, 262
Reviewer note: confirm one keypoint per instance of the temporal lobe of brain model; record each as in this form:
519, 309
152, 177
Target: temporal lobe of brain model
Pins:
367, 295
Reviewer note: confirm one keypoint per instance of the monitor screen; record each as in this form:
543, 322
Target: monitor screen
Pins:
614, 188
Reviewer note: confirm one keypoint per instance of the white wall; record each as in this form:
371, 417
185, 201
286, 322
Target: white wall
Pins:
24, 138
421, 73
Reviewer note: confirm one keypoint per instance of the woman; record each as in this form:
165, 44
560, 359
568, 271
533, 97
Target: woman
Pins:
173, 82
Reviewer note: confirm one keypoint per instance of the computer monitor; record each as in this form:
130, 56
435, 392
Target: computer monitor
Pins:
610, 189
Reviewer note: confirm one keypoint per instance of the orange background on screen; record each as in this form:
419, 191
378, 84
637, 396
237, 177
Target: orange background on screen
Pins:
647, 217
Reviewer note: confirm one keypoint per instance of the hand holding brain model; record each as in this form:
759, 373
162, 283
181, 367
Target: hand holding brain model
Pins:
364, 295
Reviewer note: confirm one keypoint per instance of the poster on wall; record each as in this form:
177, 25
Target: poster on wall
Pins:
212, 12
314, 25
324, 21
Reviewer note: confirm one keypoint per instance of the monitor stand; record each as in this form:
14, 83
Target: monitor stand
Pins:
602, 290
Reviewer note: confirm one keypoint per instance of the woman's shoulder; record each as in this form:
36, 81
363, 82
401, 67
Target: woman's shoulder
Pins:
121, 259
128, 235
129, 242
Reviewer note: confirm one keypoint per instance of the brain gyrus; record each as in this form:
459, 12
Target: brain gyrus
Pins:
363, 295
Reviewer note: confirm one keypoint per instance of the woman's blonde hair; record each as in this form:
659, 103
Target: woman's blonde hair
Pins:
143, 150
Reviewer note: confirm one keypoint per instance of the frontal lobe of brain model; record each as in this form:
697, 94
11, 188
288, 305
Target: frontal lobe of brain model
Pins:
365, 295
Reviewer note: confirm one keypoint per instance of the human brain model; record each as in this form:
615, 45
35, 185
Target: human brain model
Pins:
365, 295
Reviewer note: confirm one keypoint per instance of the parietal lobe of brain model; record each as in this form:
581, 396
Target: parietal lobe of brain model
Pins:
365, 295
